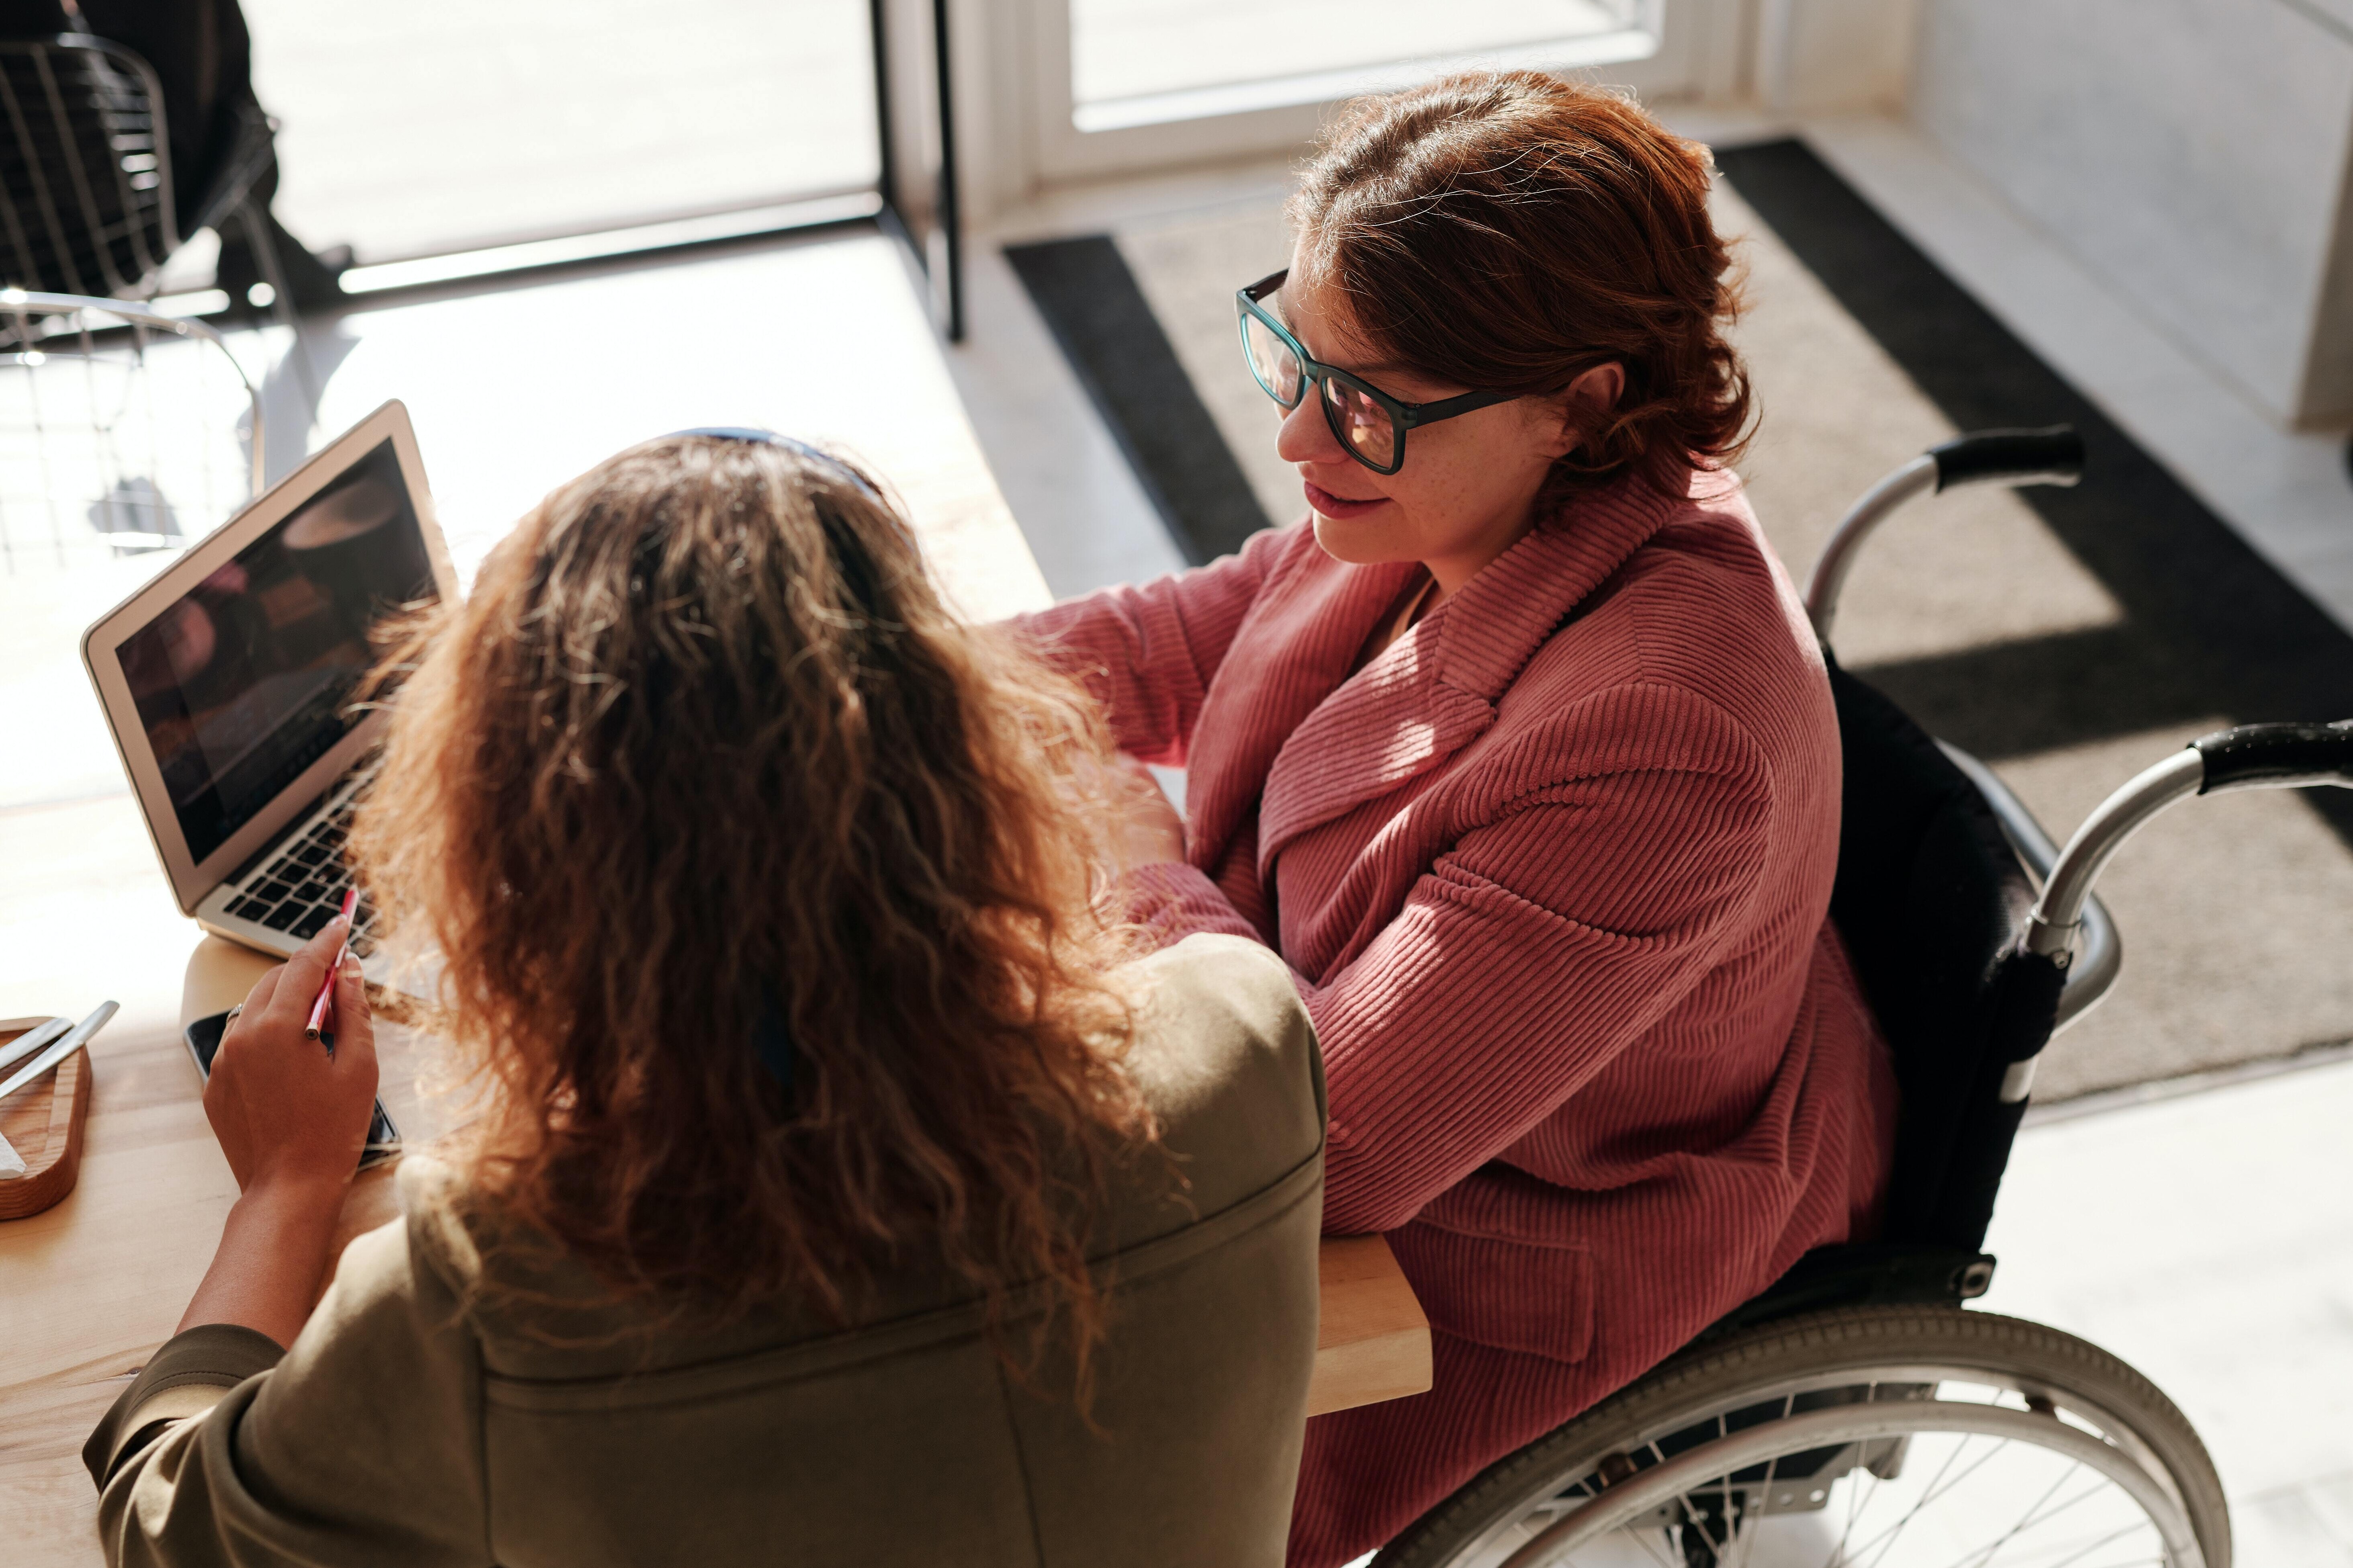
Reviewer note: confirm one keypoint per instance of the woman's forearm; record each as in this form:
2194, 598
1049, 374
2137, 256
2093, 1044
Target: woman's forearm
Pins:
273, 1251
1148, 652
1173, 900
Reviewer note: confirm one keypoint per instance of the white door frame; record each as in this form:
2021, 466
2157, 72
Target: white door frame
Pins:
1688, 49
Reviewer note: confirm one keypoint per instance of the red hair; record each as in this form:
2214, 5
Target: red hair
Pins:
1508, 230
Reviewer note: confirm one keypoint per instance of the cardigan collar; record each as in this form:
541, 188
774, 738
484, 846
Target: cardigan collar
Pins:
1434, 690
1491, 628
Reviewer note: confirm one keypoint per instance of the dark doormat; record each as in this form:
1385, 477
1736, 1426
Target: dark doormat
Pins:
1108, 332
2208, 625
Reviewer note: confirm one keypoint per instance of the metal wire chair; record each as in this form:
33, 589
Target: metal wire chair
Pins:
85, 175
120, 430
85, 200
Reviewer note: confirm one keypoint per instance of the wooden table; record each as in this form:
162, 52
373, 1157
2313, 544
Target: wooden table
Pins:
89, 1288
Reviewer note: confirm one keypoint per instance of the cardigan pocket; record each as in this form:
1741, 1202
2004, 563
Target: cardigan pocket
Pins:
1510, 1293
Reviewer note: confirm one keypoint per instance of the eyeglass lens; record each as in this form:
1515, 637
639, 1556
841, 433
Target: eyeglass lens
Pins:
1362, 423
1277, 368
1356, 418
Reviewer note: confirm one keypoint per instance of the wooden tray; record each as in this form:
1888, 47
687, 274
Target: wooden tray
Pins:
43, 1123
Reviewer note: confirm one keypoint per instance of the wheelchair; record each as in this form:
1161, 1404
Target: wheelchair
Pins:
1854, 1415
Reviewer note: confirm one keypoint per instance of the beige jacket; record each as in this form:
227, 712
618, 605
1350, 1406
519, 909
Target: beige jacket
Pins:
412, 1424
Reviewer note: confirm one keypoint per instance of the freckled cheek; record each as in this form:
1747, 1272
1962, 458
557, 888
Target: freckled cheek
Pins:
1440, 505
1434, 491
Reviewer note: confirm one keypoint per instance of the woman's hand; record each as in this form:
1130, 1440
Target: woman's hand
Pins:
292, 1119
1149, 829
287, 1114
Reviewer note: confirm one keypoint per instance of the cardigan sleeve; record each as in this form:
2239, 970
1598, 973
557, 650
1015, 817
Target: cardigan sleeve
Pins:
1541, 943
1148, 653
362, 1447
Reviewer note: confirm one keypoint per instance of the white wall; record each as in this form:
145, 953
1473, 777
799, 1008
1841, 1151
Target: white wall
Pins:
1822, 56
2192, 152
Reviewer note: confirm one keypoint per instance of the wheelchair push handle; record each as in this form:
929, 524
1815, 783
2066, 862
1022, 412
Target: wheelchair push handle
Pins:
2252, 756
2276, 756
2053, 454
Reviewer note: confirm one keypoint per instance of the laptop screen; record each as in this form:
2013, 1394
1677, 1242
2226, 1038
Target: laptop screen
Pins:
247, 679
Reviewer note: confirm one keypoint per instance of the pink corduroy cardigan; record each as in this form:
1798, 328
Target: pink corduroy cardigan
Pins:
1552, 873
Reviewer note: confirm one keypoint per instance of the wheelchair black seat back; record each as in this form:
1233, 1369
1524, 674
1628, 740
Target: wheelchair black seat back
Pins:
1852, 1414
1932, 902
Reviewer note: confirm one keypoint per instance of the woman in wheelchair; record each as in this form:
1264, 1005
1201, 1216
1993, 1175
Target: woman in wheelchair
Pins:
1519, 750
816, 1105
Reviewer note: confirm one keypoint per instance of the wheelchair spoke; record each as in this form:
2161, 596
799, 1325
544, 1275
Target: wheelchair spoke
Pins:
1748, 1537
2112, 1535
1658, 1456
1748, 1542
1639, 1538
1947, 1460
1985, 1555
2094, 1490
1889, 1535
1855, 1495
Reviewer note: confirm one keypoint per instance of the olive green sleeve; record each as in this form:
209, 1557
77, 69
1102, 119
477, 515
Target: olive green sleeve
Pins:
360, 1447
186, 1377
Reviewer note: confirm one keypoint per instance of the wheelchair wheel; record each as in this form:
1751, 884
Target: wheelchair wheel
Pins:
1864, 1438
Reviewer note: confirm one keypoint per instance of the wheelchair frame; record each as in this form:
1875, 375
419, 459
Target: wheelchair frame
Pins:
1834, 1370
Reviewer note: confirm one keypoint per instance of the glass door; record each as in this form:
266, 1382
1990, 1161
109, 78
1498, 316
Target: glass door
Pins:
1128, 85
446, 125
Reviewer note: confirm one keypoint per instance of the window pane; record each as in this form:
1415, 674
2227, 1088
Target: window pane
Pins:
438, 125
1136, 48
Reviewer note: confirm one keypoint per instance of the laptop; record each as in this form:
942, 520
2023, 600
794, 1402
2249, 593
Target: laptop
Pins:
230, 685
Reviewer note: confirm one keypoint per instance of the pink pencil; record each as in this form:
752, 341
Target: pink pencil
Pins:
322, 1010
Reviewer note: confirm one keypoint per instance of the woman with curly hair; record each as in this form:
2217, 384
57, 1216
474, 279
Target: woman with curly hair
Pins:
1519, 750
837, 1191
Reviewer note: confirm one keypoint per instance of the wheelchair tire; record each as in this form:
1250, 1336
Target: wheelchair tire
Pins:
1854, 1388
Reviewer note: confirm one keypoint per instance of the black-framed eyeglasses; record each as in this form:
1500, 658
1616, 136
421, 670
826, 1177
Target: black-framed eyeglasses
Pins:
1369, 423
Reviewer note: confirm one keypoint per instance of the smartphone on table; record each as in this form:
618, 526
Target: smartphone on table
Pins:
203, 1038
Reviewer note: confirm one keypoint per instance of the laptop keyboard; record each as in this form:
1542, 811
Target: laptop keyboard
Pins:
299, 889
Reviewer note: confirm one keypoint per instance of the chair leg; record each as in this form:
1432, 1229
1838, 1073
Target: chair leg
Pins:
281, 304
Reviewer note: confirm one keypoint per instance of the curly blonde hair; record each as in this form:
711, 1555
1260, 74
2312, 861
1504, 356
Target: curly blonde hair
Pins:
762, 886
